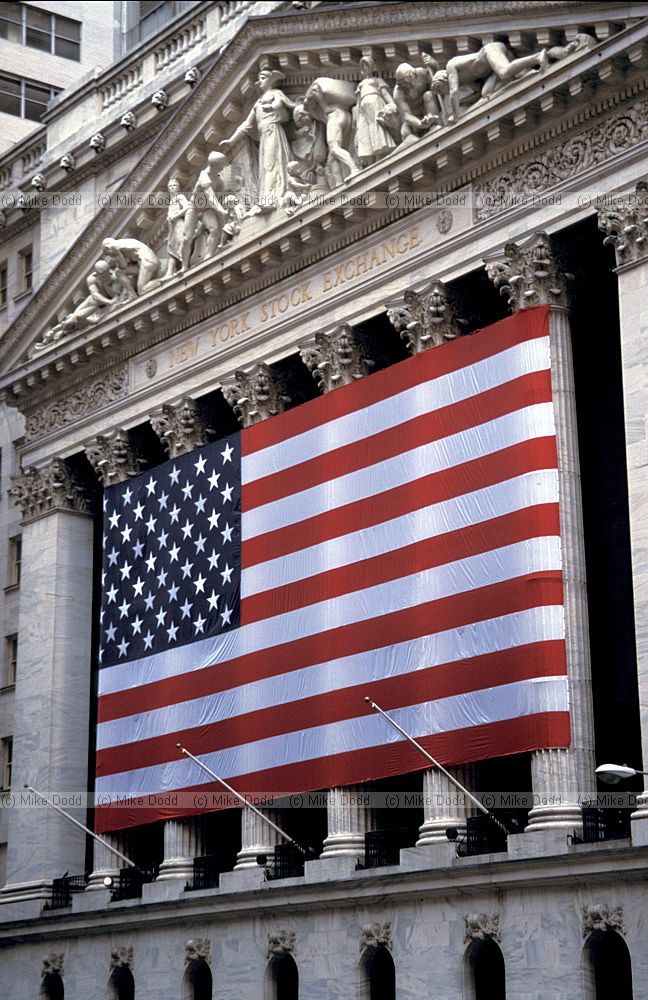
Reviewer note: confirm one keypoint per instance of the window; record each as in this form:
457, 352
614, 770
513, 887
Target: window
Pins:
377, 974
26, 269
152, 14
15, 560
11, 659
282, 978
3, 284
606, 967
6, 762
24, 99
38, 29
484, 972
121, 985
197, 981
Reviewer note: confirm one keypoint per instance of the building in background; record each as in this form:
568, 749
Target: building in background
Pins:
390, 178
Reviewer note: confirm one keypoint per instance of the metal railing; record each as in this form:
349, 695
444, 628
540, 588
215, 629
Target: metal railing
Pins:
63, 889
129, 882
604, 824
208, 869
483, 836
383, 847
287, 862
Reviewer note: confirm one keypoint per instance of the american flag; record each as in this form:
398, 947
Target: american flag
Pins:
398, 537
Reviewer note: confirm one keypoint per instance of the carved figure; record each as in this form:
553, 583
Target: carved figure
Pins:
580, 43
330, 102
176, 213
414, 98
235, 214
306, 173
265, 122
489, 69
205, 212
132, 257
373, 137
105, 291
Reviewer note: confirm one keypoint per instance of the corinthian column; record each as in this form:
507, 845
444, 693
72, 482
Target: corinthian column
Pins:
531, 275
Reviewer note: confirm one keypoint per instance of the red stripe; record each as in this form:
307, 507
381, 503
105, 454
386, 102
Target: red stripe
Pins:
496, 739
408, 436
541, 659
518, 459
528, 324
530, 522
530, 591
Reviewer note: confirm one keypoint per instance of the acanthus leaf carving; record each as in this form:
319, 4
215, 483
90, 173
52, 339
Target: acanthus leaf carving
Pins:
335, 358
376, 935
113, 458
87, 399
40, 491
427, 318
625, 223
601, 917
53, 963
197, 948
281, 943
480, 926
181, 426
529, 274
254, 394
121, 957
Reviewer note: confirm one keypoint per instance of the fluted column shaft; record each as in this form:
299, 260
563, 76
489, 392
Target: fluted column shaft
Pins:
257, 837
105, 863
444, 805
184, 840
349, 818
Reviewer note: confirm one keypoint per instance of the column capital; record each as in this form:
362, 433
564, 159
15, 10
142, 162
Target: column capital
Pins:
254, 394
113, 458
335, 358
52, 487
427, 318
529, 273
181, 426
625, 224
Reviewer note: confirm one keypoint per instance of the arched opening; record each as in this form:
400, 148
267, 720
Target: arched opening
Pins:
121, 985
282, 978
197, 981
377, 974
484, 972
607, 968
52, 987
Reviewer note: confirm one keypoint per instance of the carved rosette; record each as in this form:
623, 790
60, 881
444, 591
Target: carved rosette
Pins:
181, 426
625, 224
602, 917
53, 963
427, 318
376, 935
52, 487
197, 948
480, 926
113, 459
529, 274
255, 394
121, 958
335, 358
281, 943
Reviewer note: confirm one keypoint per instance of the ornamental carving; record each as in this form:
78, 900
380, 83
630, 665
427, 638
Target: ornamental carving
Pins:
181, 426
113, 458
53, 964
376, 935
86, 400
529, 274
335, 359
480, 926
625, 224
602, 917
254, 394
121, 958
281, 943
427, 318
52, 487
196, 949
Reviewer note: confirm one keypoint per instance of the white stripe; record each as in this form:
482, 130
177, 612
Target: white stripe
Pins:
484, 439
506, 563
496, 634
427, 522
510, 701
472, 380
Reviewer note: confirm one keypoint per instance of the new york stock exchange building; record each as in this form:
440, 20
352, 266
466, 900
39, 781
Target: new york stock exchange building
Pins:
324, 508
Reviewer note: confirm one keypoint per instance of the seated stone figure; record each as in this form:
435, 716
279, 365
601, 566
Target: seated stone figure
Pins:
133, 259
105, 291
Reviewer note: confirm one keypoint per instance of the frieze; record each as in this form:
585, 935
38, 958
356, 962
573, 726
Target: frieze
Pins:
84, 400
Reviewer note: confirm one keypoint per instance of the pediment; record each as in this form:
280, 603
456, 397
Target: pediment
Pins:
346, 140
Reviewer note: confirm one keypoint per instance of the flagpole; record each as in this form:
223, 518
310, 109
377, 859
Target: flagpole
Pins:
435, 763
266, 819
76, 822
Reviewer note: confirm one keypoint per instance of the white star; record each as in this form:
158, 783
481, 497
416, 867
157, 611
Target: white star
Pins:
123, 609
186, 489
226, 616
199, 583
102, 614
227, 534
200, 465
101, 652
199, 624
138, 549
114, 519
227, 493
161, 578
227, 574
138, 511
148, 640
103, 541
136, 625
186, 608
150, 524
126, 533
160, 616
112, 556
105, 504
138, 587
122, 647
200, 544
149, 601
173, 514
213, 519
213, 601
174, 475
187, 529
172, 632
173, 552
103, 577
213, 479
150, 486
162, 500
112, 594
186, 569
227, 454
125, 571
150, 562
110, 633
162, 539
128, 493
173, 592
213, 559
199, 504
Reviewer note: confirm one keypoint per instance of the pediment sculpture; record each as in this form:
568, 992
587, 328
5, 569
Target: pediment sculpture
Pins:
290, 150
